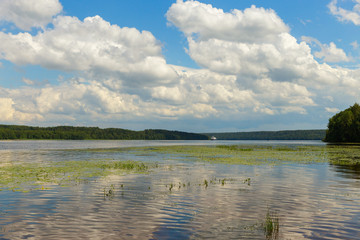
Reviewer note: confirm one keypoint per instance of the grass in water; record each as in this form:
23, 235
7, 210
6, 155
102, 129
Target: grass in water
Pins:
271, 226
244, 154
30, 176
261, 154
346, 155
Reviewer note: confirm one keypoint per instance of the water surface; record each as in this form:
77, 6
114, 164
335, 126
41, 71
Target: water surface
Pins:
172, 201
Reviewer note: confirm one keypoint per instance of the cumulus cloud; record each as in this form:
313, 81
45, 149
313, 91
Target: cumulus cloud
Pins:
355, 45
281, 72
206, 22
329, 53
276, 55
90, 45
345, 15
8, 112
251, 65
251, 42
206, 87
253, 59
6, 109
283, 97
26, 14
76, 98
79, 99
332, 110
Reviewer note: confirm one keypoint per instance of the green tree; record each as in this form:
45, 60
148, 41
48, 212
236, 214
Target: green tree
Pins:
344, 126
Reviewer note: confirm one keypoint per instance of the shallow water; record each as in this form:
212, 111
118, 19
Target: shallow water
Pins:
311, 201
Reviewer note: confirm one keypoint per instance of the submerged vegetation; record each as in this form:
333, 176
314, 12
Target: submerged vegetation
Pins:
263, 154
245, 154
30, 176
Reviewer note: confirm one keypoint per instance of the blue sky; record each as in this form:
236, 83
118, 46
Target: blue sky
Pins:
201, 66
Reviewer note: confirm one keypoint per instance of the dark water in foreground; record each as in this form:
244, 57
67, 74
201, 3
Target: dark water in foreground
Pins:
311, 201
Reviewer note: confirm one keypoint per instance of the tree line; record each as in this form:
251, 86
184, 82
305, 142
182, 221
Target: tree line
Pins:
345, 126
92, 133
272, 135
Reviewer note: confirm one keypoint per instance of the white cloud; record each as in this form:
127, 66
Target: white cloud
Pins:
329, 53
251, 67
344, 15
242, 42
28, 81
8, 113
91, 45
286, 69
332, 110
233, 57
77, 98
6, 109
282, 97
354, 45
169, 94
206, 22
26, 14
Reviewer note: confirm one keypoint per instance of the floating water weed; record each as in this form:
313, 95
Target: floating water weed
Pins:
109, 194
345, 155
235, 148
247, 181
25, 176
246, 154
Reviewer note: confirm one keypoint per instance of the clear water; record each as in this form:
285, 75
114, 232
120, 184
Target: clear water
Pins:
312, 201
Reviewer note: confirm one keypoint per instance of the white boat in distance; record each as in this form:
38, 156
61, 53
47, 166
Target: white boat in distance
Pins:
213, 138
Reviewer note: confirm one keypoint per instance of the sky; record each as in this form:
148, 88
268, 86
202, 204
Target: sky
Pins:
197, 66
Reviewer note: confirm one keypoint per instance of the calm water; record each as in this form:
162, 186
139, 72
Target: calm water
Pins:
312, 201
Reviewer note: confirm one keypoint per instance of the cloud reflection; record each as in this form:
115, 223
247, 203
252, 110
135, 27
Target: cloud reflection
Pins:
310, 200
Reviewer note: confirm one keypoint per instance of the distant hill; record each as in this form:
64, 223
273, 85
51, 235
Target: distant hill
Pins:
89, 133
271, 135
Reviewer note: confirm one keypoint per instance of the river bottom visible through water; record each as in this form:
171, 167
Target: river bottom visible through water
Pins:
179, 198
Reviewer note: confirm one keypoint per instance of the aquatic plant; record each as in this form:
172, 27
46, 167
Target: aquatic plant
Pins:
247, 181
235, 148
271, 225
222, 182
345, 155
206, 184
244, 154
27, 176
109, 194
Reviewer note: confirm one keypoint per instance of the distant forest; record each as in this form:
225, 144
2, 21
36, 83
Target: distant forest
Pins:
271, 135
89, 133
92, 133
